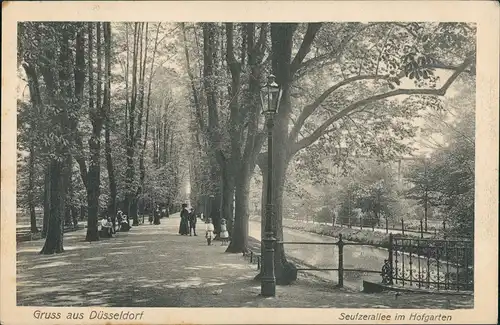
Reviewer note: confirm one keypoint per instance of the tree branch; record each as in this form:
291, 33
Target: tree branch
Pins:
304, 66
310, 108
196, 99
305, 47
233, 64
437, 92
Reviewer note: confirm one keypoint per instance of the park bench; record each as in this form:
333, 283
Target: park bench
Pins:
23, 236
27, 235
255, 257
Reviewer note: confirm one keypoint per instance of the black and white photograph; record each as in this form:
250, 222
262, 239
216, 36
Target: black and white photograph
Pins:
313, 164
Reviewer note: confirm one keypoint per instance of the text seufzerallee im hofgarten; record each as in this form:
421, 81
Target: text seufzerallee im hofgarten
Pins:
387, 317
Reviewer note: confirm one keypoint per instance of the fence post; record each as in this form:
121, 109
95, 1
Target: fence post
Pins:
361, 222
402, 226
421, 229
386, 225
340, 245
390, 259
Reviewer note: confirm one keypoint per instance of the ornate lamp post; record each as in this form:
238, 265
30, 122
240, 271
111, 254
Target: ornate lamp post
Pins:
270, 99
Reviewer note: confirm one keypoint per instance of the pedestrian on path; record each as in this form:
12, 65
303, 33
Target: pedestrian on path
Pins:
119, 218
224, 234
184, 226
125, 226
209, 233
192, 222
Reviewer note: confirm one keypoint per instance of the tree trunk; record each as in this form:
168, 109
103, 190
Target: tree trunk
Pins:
239, 238
74, 216
112, 206
94, 172
38, 110
68, 221
227, 196
215, 201
131, 140
46, 201
285, 271
31, 189
133, 210
54, 240
107, 132
93, 190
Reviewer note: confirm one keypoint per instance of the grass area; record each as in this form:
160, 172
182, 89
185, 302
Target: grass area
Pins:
365, 236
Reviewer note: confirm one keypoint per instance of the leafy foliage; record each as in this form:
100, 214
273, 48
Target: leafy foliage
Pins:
450, 178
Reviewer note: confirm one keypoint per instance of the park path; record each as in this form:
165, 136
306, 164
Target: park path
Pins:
326, 256
153, 266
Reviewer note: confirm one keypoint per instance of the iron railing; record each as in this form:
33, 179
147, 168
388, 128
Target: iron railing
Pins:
340, 269
431, 263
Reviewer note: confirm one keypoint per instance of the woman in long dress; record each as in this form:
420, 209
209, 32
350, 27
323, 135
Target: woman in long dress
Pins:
184, 226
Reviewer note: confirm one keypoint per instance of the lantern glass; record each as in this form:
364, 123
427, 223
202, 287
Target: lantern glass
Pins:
270, 96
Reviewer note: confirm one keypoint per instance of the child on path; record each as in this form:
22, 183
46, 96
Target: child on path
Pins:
209, 234
224, 234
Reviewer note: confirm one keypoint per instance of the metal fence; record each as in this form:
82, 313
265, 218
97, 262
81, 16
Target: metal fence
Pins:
420, 263
431, 263
340, 269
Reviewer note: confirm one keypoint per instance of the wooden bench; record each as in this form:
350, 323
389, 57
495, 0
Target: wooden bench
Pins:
254, 258
27, 235
23, 236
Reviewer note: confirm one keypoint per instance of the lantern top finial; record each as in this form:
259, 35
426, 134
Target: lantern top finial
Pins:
271, 81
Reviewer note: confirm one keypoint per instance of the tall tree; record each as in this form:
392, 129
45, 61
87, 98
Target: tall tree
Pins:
37, 111
60, 103
97, 116
112, 204
415, 62
246, 137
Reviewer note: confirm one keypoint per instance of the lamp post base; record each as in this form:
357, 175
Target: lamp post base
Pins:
267, 287
268, 280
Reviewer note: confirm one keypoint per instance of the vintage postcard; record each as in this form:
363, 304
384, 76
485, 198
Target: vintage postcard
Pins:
281, 162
